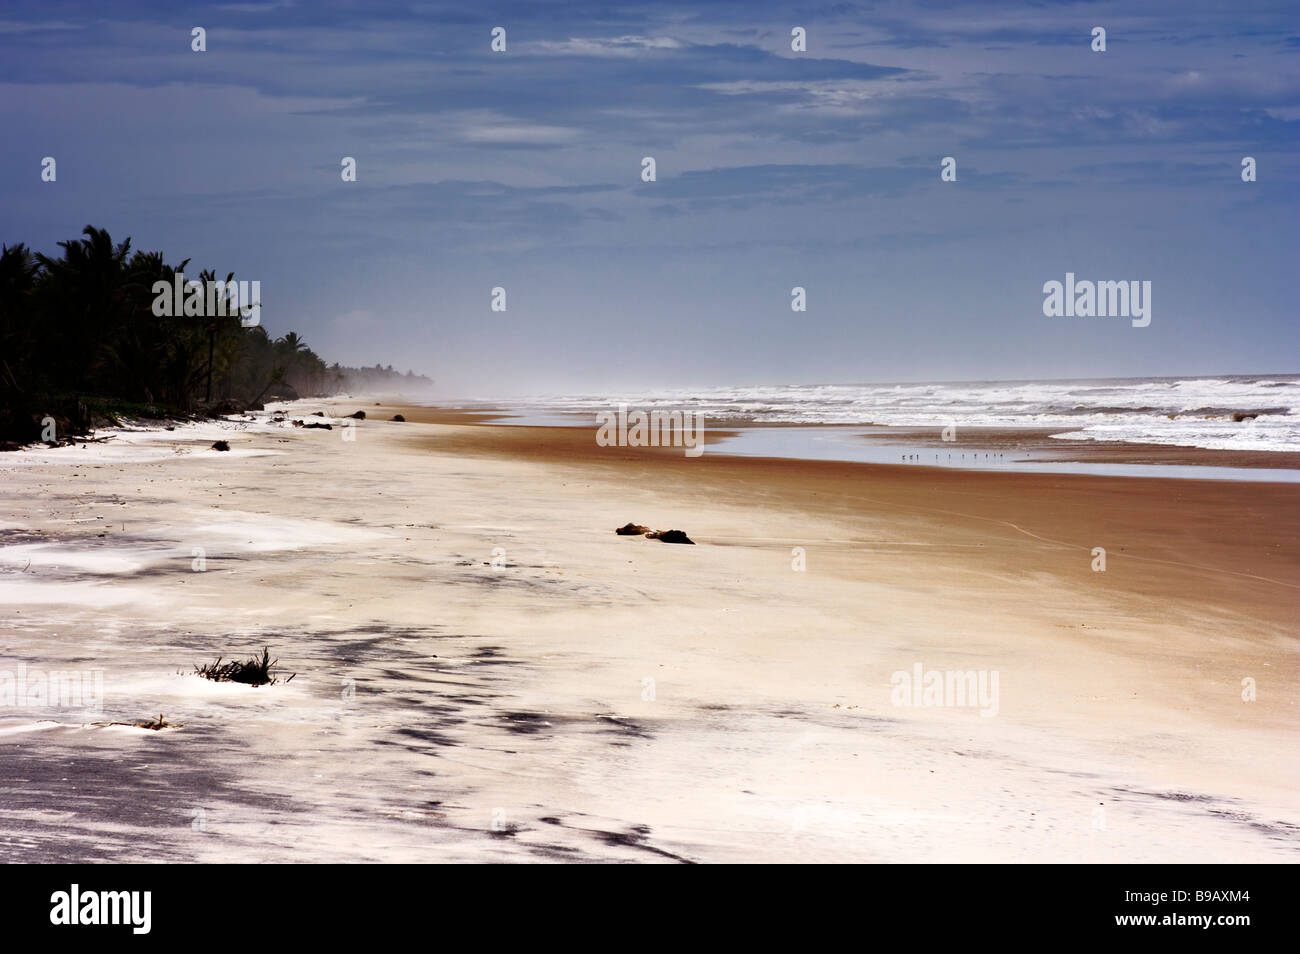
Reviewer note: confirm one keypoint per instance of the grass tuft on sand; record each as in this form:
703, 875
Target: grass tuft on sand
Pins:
252, 672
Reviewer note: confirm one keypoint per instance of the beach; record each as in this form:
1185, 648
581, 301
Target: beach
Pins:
485, 671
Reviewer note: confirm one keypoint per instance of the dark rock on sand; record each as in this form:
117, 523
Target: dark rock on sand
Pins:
358, 415
631, 530
670, 536
319, 425
398, 417
220, 446
318, 413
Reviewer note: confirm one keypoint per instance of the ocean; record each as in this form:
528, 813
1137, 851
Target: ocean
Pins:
1229, 412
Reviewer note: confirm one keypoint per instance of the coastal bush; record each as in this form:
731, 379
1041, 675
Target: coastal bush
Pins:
80, 342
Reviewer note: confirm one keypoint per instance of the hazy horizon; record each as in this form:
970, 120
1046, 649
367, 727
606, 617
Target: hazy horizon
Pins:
920, 381
775, 168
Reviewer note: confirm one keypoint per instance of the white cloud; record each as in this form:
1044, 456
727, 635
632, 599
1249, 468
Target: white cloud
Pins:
605, 46
495, 129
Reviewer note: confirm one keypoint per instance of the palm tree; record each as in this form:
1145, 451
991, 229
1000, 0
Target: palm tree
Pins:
85, 290
81, 326
18, 270
290, 350
214, 321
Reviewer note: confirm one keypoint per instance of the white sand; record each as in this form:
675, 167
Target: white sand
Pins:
448, 709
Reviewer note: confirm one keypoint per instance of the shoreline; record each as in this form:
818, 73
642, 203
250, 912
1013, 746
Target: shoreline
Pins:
1026, 444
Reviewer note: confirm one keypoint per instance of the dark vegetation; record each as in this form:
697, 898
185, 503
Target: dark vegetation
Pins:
79, 343
155, 724
253, 672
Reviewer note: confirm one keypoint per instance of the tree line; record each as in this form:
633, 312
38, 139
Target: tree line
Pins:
80, 342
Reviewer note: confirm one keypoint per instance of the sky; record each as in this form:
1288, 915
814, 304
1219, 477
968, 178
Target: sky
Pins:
775, 168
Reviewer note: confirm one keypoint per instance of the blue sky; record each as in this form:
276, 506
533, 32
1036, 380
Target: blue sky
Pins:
820, 169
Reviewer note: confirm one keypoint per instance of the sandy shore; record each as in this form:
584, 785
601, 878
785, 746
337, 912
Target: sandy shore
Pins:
486, 672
